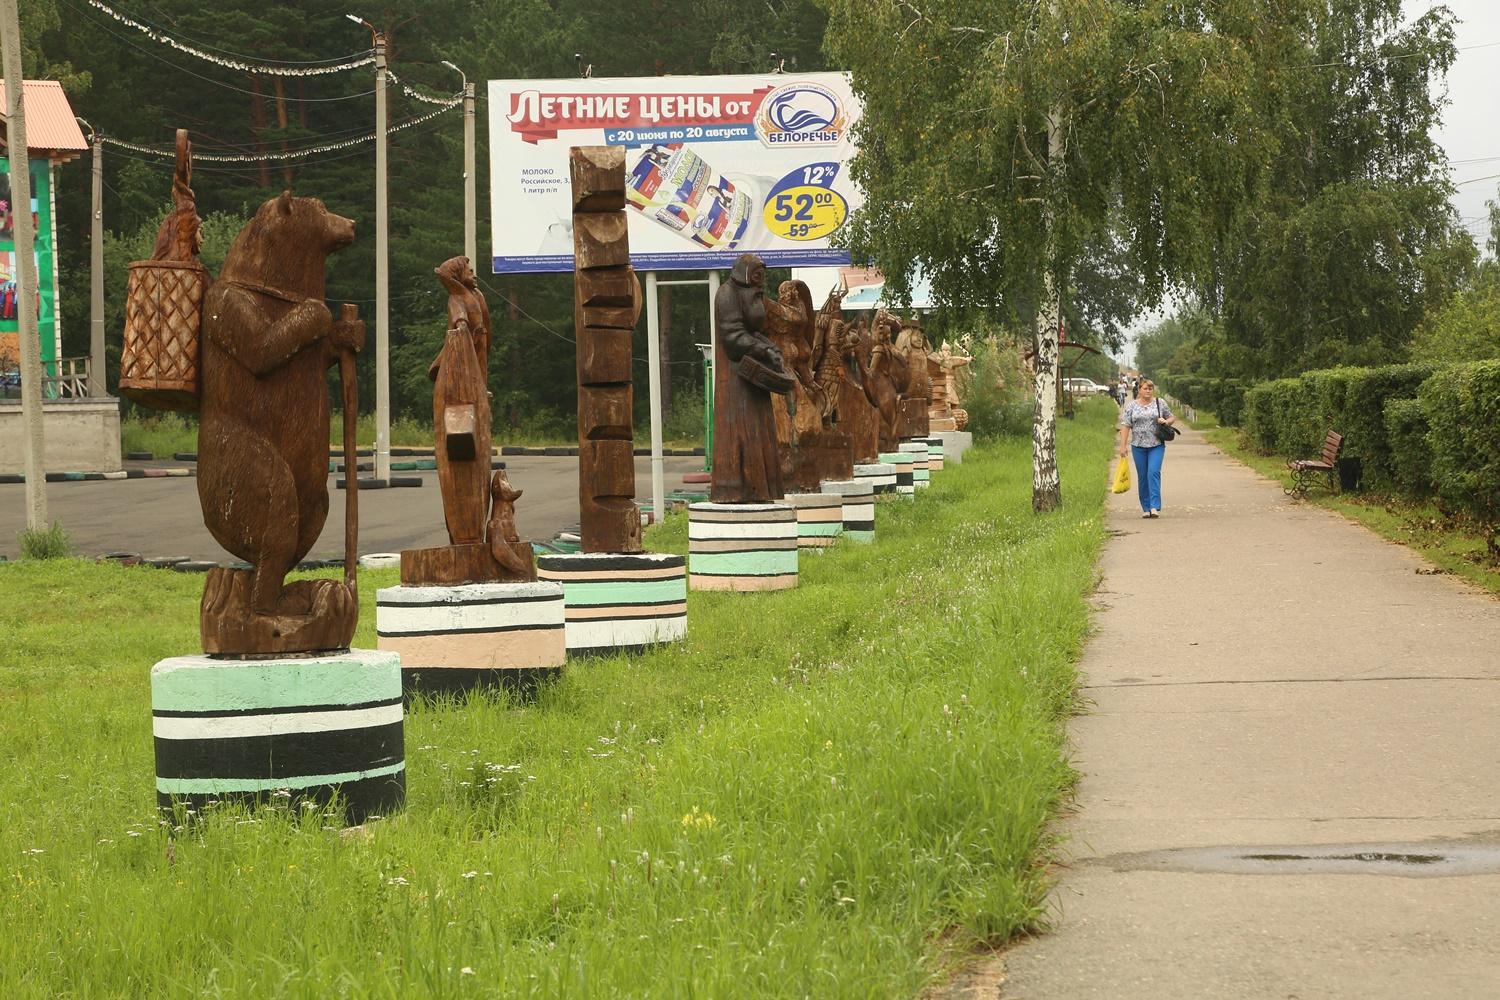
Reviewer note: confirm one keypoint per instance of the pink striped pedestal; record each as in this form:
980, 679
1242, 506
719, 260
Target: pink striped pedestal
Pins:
820, 519
857, 498
742, 546
619, 603
490, 635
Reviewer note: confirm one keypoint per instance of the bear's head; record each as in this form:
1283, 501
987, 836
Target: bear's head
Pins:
286, 246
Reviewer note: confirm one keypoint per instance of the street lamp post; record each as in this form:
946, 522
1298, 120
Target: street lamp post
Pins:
98, 383
471, 246
382, 277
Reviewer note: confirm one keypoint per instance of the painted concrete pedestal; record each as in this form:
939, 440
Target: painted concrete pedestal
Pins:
619, 603
473, 635
955, 443
880, 475
286, 730
858, 507
820, 519
921, 469
936, 457
742, 546
905, 465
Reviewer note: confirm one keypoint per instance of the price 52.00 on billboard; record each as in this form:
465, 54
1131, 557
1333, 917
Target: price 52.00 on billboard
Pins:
715, 166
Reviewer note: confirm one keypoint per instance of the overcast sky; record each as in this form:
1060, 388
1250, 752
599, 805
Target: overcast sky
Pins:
1469, 132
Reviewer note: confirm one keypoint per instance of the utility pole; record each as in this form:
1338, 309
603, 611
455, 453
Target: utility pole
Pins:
382, 277
98, 382
471, 246
26, 277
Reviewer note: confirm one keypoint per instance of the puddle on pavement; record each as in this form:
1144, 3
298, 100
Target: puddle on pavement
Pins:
1421, 860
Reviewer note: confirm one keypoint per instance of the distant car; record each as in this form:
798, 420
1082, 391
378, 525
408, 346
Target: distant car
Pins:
1085, 387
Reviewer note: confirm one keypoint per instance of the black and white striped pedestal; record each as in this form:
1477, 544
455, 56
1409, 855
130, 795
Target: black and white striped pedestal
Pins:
285, 729
858, 502
921, 468
936, 458
880, 475
905, 465
820, 519
742, 546
475, 635
619, 603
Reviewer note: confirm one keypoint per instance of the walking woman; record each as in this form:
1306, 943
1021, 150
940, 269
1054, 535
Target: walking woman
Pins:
1140, 423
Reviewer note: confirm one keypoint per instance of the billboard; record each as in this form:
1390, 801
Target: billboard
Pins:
45, 307
715, 166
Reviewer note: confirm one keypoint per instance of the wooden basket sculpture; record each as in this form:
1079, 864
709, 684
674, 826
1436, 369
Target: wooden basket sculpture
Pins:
163, 317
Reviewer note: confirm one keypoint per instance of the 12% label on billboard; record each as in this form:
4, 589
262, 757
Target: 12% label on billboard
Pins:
804, 206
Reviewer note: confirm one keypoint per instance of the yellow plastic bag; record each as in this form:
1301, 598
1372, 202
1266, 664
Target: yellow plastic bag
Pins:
1122, 475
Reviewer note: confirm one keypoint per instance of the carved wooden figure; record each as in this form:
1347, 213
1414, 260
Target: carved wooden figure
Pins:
461, 407
857, 415
606, 305
268, 341
748, 371
916, 395
944, 411
461, 432
881, 382
812, 448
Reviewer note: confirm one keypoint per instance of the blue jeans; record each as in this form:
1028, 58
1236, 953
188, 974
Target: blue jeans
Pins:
1148, 474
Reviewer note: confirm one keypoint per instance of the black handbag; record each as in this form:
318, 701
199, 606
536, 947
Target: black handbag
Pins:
1166, 432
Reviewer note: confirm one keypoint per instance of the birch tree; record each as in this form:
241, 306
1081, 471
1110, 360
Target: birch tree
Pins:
1001, 137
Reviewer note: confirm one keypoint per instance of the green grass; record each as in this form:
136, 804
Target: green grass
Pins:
832, 791
45, 543
1441, 540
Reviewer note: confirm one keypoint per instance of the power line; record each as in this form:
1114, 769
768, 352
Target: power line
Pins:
1390, 58
355, 61
280, 156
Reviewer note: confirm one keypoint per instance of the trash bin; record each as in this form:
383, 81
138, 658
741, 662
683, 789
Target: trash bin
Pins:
1350, 470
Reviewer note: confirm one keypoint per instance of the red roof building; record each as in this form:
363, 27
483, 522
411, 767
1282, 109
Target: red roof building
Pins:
51, 130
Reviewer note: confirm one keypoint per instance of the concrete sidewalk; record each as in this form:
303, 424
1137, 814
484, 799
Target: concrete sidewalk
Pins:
1268, 675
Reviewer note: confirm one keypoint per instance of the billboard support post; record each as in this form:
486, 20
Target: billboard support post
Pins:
653, 380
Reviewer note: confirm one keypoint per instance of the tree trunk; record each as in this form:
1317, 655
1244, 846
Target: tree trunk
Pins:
258, 126
665, 342
1046, 490
286, 170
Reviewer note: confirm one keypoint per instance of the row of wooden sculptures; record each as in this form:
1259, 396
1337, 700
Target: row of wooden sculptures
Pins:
848, 390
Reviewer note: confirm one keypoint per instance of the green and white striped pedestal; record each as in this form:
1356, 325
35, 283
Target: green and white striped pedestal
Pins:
921, 470
820, 520
905, 464
858, 503
955, 443
287, 729
742, 546
475, 635
936, 458
619, 603
880, 475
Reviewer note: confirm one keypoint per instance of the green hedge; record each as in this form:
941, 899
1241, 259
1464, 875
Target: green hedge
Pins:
1462, 405
1224, 397
1292, 416
1411, 457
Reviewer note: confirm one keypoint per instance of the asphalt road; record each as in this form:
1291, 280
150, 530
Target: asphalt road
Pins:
161, 517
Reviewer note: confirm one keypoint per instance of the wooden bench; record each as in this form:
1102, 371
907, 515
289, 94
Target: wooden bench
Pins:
1321, 471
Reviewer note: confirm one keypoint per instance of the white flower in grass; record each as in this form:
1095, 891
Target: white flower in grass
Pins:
466, 971
132, 833
33, 851
397, 880
470, 874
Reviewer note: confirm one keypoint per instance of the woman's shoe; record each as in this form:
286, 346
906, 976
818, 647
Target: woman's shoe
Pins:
1147, 514
1154, 513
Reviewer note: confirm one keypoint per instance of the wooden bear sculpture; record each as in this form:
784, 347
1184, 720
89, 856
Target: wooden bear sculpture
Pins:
268, 342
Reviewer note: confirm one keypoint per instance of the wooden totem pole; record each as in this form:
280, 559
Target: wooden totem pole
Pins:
606, 304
